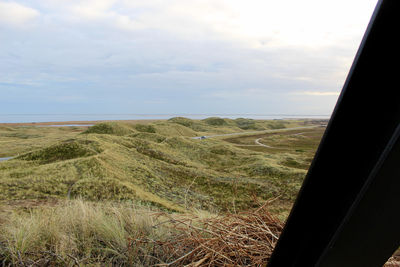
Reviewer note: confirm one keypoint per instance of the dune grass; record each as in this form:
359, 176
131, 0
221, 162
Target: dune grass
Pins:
158, 163
81, 232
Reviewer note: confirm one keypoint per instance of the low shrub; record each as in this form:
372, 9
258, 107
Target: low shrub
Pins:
63, 151
182, 121
108, 128
145, 128
246, 124
215, 121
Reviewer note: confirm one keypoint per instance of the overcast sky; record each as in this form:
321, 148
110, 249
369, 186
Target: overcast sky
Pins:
178, 56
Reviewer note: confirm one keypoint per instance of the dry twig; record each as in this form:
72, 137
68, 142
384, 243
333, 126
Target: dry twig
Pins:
243, 239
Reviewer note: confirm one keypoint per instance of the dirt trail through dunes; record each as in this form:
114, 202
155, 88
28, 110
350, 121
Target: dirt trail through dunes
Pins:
259, 132
257, 141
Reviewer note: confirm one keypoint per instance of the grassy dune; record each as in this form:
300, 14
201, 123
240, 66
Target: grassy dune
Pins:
157, 163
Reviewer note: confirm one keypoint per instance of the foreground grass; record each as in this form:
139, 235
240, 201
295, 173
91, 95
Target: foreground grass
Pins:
78, 232
87, 233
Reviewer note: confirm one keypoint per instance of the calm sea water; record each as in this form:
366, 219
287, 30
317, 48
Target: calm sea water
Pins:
13, 118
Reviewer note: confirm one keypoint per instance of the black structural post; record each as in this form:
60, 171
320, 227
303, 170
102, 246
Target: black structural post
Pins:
347, 212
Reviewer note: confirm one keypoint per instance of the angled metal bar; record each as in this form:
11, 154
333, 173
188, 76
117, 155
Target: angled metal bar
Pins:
346, 177
370, 232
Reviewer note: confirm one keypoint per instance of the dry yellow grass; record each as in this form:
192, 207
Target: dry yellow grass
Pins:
86, 233
78, 232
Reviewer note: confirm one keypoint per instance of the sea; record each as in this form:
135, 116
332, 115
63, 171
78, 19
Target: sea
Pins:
31, 118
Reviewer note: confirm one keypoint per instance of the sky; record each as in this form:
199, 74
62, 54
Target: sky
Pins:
177, 56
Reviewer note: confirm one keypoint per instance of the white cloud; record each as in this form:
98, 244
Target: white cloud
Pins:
310, 23
257, 23
92, 9
12, 13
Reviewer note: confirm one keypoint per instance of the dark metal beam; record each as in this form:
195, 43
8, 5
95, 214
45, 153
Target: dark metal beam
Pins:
370, 232
347, 212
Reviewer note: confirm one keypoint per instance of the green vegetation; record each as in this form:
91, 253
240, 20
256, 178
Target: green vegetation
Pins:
145, 128
109, 128
19, 140
246, 124
215, 121
66, 150
183, 121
